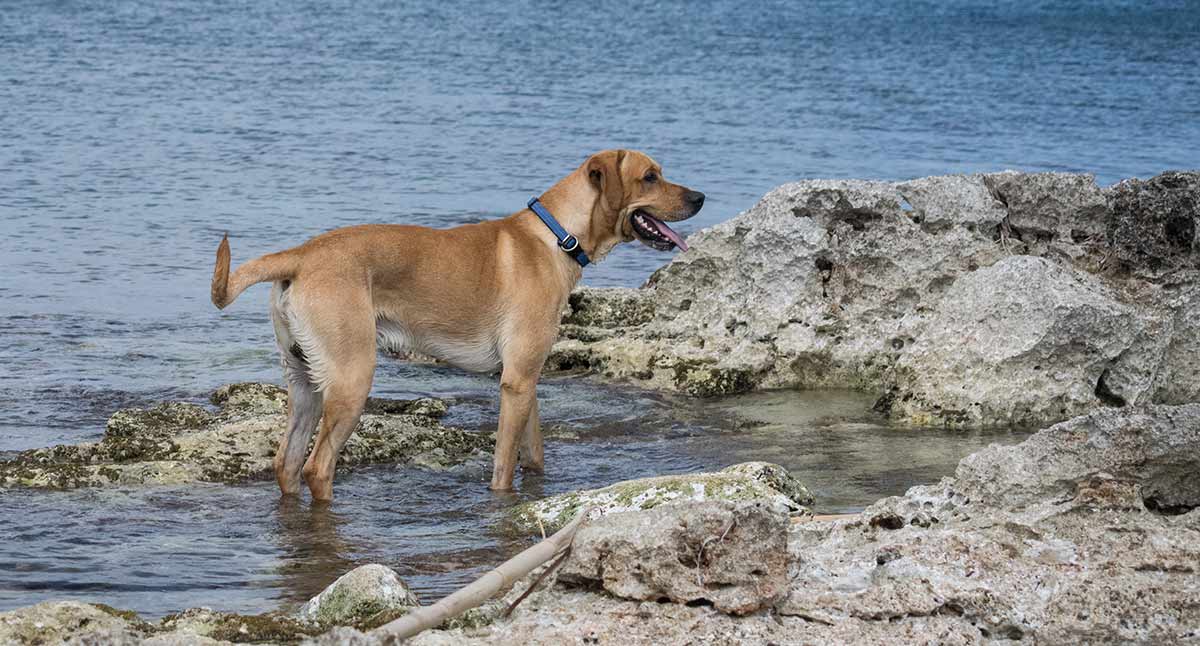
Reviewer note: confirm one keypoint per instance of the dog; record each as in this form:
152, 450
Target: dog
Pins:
484, 297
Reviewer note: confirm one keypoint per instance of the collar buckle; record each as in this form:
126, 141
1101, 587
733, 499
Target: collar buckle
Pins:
567, 242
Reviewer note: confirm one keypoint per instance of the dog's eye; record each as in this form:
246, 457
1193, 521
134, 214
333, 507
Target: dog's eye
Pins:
650, 176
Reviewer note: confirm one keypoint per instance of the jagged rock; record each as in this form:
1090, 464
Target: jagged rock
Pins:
1000, 353
359, 595
837, 284
749, 481
176, 442
1153, 228
732, 555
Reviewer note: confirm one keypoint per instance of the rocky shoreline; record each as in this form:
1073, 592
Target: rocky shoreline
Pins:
1004, 299
1001, 299
1087, 531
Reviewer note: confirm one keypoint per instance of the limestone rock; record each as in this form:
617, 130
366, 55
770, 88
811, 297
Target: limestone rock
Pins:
733, 556
851, 284
1021, 341
358, 595
749, 481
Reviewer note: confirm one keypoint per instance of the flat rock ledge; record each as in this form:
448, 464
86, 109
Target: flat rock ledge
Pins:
176, 442
959, 300
1087, 532
749, 481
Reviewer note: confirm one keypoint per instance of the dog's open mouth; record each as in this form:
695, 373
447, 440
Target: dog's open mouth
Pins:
655, 233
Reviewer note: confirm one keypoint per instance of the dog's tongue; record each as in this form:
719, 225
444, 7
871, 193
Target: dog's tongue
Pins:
670, 233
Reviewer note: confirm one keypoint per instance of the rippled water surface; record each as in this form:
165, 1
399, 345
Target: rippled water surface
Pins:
132, 134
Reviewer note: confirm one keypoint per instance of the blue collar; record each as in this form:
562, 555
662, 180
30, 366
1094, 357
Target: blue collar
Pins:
566, 241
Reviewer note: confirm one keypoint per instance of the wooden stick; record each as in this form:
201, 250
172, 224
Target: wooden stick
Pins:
483, 588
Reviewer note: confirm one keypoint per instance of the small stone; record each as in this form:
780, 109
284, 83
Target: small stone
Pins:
358, 595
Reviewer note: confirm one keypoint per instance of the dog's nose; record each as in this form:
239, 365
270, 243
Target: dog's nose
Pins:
695, 198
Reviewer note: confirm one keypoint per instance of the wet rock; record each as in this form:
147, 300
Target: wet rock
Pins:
175, 443
749, 481
730, 555
1153, 228
358, 596
849, 284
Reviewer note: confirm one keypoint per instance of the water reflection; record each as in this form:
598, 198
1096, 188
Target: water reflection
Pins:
312, 549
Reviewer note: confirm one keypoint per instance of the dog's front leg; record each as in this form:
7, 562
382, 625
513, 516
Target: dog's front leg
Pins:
518, 396
531, 442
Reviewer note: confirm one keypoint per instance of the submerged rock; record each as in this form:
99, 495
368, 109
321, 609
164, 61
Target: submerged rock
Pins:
175, 442
358, 596
749, 481
960, 300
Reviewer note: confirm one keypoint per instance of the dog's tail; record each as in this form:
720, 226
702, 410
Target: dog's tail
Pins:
271, 267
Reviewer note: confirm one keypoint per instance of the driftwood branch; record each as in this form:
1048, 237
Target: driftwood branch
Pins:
483, 588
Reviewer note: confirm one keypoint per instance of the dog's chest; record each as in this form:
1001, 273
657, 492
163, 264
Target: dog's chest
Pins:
475, 353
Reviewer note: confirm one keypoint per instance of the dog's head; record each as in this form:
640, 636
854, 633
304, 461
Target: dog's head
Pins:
634, 200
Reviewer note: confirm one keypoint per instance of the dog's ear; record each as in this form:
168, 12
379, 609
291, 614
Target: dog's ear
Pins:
604, 172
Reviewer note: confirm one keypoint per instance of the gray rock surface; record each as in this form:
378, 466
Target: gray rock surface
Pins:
359, 595
997, 353
732, 555
178, 442
946, 290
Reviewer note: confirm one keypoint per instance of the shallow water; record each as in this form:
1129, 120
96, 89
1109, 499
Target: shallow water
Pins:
161, 549
132, 134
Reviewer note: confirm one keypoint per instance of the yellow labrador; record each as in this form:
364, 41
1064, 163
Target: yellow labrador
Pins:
482, 297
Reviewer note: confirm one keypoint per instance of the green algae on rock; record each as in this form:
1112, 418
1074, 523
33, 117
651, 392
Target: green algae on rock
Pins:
176, 442
747, 481
358, 596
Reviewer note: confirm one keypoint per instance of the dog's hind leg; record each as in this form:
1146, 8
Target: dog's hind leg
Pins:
349, 371
304, 401
531, 442
304, 413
